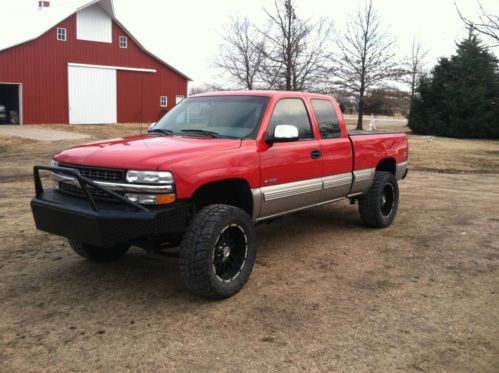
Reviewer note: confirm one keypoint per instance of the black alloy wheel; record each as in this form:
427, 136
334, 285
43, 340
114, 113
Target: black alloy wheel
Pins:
231, 251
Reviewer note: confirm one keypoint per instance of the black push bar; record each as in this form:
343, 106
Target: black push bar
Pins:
84, 182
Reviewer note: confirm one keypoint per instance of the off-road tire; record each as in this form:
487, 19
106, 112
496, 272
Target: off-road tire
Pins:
201, 243
98, 254
373, 206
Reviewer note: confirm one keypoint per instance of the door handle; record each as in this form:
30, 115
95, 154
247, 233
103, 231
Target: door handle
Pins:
315, 154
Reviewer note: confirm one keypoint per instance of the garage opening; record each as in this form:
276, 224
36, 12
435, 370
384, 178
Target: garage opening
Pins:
10, 103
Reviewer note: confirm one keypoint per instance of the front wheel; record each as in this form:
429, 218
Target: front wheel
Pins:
379, 205
98, 254
218, 251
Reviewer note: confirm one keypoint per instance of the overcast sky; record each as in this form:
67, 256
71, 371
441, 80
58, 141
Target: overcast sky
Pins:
186, 33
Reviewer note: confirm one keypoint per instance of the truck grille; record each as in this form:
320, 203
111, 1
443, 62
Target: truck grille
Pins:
78, 192
93, 173
98, 173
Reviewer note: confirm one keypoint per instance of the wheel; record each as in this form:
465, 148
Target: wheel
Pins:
378, 206
218, 251
98, 254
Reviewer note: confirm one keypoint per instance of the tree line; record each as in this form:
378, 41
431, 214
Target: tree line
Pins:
459, 97
296, 54
357, 64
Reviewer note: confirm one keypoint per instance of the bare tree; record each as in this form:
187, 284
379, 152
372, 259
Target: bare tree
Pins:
415, 66
295, 49
487, 23
366, 55
242, 52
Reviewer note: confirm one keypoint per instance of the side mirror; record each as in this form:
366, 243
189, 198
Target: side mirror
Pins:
151, 126
284, 133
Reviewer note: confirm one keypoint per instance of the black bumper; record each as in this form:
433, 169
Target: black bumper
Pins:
102, 223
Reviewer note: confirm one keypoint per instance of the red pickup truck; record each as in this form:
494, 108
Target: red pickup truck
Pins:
209, 171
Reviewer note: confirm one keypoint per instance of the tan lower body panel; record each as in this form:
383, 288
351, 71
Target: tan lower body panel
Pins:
280, 199
289, 196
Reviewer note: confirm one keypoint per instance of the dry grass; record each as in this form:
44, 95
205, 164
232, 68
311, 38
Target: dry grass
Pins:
454, 155
102, 130
326, 294
441, 154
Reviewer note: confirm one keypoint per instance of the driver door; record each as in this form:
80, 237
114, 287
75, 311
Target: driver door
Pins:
291, 171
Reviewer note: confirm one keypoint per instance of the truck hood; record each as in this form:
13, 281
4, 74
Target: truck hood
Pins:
146, 152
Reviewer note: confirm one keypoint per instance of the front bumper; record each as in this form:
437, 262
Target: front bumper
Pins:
99, 223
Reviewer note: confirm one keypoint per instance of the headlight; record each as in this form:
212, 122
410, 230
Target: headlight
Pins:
149, 177
54, 163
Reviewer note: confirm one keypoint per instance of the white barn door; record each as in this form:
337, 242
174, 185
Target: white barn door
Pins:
92, 95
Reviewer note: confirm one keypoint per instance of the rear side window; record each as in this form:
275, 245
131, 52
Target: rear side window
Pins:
292, 111
327, 119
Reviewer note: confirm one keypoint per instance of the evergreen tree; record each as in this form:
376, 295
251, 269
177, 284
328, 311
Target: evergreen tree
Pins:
461, 96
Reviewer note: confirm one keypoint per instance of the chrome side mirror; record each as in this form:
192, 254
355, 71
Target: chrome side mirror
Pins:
151, 126
284, 133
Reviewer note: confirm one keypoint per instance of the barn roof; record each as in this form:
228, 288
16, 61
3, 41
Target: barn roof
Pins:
29, 25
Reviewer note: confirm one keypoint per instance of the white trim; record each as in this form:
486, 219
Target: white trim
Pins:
20, 104
20, 97
112, 67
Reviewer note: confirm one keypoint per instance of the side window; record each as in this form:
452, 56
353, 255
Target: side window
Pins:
327, 119
61, 34
163, 101
292, 111
123, 41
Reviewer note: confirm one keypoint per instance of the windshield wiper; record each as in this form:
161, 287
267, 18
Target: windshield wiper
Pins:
161, 130
202, 132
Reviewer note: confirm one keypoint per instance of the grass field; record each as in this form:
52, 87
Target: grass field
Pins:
326, 294
441, 154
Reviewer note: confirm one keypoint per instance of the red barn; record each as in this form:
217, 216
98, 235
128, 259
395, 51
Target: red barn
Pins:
69, 64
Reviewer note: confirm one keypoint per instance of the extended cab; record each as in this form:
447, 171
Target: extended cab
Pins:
208, 172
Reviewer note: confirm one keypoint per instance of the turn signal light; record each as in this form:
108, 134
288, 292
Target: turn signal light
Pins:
151, 199
165, 198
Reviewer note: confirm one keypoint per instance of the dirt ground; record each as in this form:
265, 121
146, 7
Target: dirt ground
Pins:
326, 293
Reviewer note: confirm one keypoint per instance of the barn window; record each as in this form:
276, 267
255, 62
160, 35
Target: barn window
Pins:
123, 42
178, 99
163, 101
61, 34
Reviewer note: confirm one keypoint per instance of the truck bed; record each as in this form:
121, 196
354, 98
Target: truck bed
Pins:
364, 132
370, 147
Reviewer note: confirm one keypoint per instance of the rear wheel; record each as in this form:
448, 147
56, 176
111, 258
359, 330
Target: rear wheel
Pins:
379, 205
99, 254
218, 251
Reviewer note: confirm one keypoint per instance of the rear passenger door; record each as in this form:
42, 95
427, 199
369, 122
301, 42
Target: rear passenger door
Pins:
336, 151
291, 171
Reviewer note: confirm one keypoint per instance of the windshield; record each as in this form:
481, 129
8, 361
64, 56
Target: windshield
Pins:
215, 116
